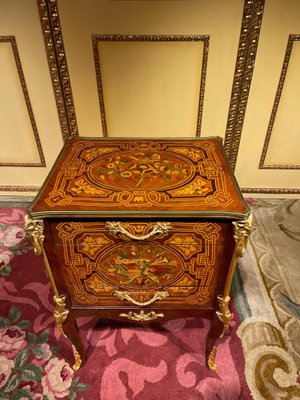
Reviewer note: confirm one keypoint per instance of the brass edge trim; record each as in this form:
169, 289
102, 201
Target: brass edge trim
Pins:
42, 163
149, 38
271, 190
55, 51
247, 48
143, 214
139, 139
289, 49
12, 188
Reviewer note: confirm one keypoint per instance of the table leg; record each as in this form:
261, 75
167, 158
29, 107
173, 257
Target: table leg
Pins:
71, 332
66, 323
219, 326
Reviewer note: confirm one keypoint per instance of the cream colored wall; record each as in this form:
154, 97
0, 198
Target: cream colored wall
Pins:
19, 145
151, 88
173, 69
281, 18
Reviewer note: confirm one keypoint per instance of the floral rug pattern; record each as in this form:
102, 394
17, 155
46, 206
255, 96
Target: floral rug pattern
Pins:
123, 361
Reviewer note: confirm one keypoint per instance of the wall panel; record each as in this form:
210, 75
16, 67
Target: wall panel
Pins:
269, 156
30, 128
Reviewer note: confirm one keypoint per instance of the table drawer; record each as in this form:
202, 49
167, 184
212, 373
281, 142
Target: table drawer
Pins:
176, 267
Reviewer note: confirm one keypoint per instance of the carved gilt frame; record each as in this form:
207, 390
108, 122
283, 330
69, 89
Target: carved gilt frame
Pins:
289, 49
150, 38
247, 49
271, 190
56, 56
12, 41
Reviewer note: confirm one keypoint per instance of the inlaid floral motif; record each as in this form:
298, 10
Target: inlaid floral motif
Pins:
141, 170
95, 284
193, 154
199, 187
140, 265
186, 244
94, 152
91, 245
82, 186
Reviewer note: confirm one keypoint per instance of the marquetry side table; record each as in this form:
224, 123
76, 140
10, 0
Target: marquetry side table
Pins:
140, 230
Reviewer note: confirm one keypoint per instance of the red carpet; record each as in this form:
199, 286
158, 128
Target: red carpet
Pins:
123, 362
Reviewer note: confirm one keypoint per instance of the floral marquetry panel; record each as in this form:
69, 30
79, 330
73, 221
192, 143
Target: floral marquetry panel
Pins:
152, 176
183, 262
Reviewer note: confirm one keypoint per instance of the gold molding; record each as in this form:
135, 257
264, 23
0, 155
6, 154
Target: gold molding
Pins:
11, 188
4, 188
150, 38
271, 190
251, 23
289, 49
42, 163
55, 51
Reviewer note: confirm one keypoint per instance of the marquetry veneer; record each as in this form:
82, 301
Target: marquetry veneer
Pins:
140, 230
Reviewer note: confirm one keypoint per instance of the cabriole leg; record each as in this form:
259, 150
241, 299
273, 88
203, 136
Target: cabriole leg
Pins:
68, 327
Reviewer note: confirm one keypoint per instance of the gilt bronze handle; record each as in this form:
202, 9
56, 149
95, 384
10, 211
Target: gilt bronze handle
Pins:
159, 295
160, 228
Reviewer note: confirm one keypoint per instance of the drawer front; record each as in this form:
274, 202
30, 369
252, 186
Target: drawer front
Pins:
178, 267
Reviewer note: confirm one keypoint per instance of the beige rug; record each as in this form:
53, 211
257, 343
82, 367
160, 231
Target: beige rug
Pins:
270, 277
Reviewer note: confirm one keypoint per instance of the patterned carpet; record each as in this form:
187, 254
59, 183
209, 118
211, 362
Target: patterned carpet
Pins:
161, 361
269, 302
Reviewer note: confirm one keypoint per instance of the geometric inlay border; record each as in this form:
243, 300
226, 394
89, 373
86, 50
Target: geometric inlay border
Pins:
150, 38
42, 163
289, 49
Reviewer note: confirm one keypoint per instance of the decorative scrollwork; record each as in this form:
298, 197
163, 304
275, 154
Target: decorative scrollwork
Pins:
60, 312
77, 358
159, 295
34, 229
247, 48
241, 233
160, 228
224, 314
141, 316
211, 360
55, 51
